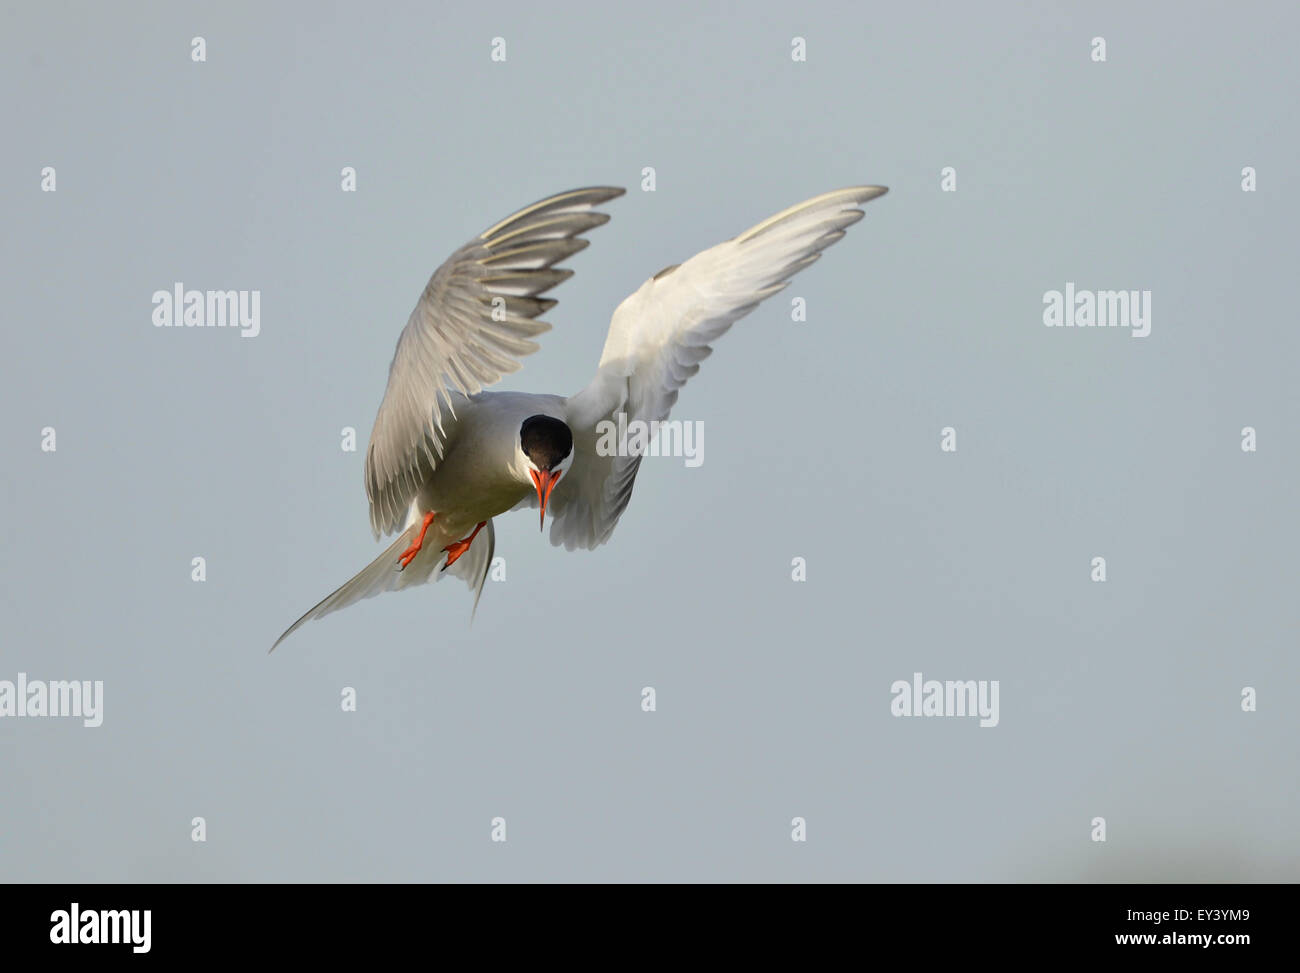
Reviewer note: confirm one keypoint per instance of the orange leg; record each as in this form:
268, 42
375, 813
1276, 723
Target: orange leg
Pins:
457, 548
408, 555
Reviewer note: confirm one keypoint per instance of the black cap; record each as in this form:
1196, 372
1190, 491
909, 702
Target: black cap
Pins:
545, 441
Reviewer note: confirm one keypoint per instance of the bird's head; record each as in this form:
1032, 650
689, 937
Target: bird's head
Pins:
545, 453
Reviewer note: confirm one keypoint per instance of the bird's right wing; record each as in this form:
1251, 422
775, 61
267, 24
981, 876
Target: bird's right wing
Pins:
659, 335
472, 324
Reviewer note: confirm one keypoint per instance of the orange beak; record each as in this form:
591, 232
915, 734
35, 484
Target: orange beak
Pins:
545, 483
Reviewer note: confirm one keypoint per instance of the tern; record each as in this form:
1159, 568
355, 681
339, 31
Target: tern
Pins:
446, 456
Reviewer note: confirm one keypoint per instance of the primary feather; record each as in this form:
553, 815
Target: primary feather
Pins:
475, 319
659, 335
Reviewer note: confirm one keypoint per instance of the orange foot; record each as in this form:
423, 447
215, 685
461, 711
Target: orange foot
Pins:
408, 555
457, 548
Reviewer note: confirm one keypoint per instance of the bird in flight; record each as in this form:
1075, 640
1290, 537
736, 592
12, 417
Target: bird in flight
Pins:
446, 456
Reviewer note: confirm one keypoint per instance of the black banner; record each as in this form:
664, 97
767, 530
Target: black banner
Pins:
144, 922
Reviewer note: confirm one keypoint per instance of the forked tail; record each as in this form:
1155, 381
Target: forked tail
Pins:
382, 575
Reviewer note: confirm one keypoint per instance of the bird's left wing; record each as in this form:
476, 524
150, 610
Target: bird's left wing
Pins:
659, 335
472, 324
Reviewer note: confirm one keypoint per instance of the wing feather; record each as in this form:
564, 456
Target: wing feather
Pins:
475, 319
661, 333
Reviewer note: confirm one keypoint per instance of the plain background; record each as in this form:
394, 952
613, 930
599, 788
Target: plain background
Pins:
1119, 700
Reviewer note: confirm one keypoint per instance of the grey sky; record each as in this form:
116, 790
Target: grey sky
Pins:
1119, 700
